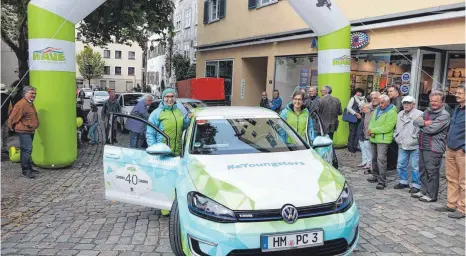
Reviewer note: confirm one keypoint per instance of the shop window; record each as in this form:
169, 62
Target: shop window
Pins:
295, 72
112, 85
103, 84
129, 85
455, 76
376, 71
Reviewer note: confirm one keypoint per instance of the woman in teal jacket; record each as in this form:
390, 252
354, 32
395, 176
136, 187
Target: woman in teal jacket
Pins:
168, 118
299, 118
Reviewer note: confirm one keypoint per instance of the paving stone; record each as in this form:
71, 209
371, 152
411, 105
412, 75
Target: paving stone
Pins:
144, 248
88, 253
108, 253
164, 246
427, 234
67, 252
84, 246
123, 247
48, 252
29, 251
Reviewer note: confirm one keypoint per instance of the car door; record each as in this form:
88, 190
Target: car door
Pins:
132, 175
326, 152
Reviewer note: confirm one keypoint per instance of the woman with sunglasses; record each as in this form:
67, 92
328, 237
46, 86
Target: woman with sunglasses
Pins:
299, 118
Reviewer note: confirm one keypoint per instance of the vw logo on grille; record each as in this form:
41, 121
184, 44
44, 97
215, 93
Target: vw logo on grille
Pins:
289, 214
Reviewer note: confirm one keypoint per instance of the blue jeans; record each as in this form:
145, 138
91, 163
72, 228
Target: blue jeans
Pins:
135, 139
366, 151
25, 144
411, 156
93, 133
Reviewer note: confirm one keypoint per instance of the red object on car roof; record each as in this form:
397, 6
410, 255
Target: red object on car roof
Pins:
203, 89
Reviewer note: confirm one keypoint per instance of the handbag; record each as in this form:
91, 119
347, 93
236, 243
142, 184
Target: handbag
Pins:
348, 117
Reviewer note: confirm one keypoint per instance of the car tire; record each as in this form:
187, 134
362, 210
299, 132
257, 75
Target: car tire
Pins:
175, 231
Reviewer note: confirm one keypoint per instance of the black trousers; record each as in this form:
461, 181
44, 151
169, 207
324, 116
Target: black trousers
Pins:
392, 156
429, 171
353, 137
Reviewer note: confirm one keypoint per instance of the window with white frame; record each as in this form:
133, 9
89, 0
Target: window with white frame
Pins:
214, 10
106, 53
187, 18
186, 51
178, 22
265, 2
195, 13
187, 33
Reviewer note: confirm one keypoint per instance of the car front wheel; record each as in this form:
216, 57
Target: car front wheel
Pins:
175, 231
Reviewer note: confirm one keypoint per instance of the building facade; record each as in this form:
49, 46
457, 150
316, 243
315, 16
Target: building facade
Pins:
9, 65
156, 59
185, 24
123, 67
264, 45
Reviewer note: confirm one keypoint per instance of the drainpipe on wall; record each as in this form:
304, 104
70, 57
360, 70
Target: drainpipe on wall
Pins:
334, 51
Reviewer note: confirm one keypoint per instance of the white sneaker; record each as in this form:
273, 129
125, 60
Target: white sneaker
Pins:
361, 165
417, 195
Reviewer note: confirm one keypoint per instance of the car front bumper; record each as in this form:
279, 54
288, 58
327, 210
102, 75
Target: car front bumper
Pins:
204, 237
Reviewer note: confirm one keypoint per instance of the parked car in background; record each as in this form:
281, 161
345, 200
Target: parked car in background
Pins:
99, 97
87, 92
185, 104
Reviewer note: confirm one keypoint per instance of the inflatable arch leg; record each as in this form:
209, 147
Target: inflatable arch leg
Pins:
334, 51
52, 65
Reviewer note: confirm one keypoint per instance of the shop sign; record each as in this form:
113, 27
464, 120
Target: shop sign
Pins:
243, 84
406, 77
359, 40
404, 89
304, 78
52, 55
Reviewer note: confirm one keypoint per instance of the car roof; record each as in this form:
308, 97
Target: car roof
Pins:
226, 112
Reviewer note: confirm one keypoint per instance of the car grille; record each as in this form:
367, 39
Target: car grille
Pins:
330, 247
276, 214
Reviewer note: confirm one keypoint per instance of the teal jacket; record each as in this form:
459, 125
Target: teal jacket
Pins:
172, 122
301, 123
382, 125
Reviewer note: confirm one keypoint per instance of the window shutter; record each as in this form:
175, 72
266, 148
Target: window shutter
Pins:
252, 4
222, 8
206, 12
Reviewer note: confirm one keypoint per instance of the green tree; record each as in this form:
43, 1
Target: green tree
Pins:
118, 21
90, 64
182, 68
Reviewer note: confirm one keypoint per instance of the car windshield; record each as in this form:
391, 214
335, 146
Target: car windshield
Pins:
132, 99
192, 105
87, 89
101, 93
244, 136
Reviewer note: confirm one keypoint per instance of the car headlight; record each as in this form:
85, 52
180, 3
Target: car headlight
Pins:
209, 209
345, 200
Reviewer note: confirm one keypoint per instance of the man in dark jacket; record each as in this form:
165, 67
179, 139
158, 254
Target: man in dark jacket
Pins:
311, 101
329, 108
454, 160
433, 131
264, 100
392, 154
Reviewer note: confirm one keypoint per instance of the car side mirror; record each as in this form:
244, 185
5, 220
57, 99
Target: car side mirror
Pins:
321, 141
159, 149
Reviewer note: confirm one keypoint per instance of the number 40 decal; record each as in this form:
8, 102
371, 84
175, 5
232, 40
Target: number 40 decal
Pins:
132, 179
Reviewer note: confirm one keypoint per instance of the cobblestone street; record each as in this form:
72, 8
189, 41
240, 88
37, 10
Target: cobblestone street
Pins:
63, 212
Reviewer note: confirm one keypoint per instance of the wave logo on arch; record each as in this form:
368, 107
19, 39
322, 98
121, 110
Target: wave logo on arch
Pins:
50, 54
344, 60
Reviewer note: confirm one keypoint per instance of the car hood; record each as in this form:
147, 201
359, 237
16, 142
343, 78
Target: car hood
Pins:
266, 180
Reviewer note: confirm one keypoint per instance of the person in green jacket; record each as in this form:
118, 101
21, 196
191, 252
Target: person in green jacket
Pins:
381, 129
299, 118
168, 118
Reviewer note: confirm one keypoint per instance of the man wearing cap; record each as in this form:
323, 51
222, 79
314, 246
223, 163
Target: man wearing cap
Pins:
406, 136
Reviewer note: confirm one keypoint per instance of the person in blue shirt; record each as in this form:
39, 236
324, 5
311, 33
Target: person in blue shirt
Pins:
276, 104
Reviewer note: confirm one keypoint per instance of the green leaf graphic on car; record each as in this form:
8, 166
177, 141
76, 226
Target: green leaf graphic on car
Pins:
218, 190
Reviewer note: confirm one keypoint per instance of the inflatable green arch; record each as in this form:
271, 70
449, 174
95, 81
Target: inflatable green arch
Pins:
53, 67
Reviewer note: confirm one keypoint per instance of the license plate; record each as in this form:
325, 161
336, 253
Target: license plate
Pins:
278, 242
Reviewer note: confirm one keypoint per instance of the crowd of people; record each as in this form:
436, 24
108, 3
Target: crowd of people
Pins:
388, 130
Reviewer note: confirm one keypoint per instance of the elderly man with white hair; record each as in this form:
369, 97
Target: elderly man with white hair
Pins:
406, 136
381, 128
136, 128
